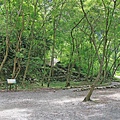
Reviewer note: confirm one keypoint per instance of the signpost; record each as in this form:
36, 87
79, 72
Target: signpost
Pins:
11, 82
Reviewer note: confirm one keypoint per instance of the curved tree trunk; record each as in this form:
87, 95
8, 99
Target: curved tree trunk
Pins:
108, 22
31, 37
7, 37
87, 98
6, 53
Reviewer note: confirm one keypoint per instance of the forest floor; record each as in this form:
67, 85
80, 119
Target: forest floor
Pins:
50, 104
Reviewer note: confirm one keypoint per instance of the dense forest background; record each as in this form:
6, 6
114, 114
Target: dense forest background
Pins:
59, 40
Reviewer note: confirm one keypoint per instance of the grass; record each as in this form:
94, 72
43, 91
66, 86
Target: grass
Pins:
54, 84
57, 85
117, 79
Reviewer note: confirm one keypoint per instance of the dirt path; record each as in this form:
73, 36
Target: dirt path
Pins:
60, 105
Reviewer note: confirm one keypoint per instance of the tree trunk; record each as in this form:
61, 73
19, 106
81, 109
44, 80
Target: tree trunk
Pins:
7, 37
53, 50
27, 65
31, 37
87, 98
68, 76
108, 22
6, 53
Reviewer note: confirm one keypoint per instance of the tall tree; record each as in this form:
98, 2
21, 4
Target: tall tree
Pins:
108, 20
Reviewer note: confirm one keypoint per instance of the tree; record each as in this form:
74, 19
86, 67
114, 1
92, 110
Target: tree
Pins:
83, 35
108, 22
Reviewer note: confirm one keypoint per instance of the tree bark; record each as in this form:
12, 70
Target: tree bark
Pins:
108, 22
31, 37
87, 98
7, 37
53, 50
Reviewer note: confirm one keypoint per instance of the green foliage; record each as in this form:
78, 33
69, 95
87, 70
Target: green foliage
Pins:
29, 27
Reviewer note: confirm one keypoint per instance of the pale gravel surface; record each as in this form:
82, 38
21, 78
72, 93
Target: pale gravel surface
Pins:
60, 105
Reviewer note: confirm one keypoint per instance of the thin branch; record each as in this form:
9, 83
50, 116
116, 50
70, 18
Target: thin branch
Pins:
92, 31
74, 28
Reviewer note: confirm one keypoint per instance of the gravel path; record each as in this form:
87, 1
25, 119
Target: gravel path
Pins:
60, 105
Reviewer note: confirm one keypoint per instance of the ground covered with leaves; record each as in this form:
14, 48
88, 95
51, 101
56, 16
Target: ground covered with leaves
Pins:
50, 104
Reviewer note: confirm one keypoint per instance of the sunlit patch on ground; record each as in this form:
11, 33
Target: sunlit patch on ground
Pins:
60, 105
115, 96
95, 114
16, 114
68, 100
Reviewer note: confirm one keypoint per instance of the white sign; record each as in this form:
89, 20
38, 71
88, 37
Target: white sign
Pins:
11, 81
